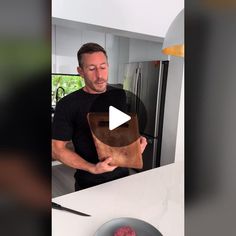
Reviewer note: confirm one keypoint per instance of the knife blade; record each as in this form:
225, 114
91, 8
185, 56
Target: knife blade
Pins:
59, 207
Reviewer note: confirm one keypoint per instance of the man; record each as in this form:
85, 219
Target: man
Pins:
70, 122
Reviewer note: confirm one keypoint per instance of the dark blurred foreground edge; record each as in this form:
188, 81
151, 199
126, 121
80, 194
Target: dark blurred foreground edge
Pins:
210, 115
25, 120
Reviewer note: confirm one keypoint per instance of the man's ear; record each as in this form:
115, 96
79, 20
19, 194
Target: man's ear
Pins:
80, 71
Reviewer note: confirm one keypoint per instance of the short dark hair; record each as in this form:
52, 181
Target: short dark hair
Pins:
89, 48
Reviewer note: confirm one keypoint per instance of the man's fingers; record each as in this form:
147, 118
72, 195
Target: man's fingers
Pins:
143, 139
143, 143
107, 160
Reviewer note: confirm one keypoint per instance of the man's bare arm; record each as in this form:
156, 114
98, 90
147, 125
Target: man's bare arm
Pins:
68, 157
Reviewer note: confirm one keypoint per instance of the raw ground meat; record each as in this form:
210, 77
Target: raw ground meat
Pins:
125, 231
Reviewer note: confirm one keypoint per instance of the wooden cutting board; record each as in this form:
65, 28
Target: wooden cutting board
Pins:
122, 143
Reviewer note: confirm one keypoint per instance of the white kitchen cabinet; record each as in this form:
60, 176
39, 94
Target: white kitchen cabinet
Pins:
65, 44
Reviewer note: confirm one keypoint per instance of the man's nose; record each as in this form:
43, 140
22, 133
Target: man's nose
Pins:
98, 73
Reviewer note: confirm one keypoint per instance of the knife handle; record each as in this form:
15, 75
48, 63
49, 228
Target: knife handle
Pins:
56, 206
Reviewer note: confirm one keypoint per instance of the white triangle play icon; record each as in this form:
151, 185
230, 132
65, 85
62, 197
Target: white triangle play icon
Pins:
116, 118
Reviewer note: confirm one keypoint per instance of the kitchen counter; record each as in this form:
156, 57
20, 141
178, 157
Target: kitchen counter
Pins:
155, 196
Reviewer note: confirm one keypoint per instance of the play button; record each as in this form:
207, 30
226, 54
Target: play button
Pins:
117, 118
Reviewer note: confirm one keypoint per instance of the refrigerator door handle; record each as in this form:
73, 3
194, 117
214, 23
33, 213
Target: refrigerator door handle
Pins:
138, 86
135, 88
136, 81
158, 104
149, 141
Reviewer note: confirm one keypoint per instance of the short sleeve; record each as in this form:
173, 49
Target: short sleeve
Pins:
62, 126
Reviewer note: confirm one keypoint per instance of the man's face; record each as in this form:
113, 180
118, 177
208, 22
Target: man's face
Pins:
94, 71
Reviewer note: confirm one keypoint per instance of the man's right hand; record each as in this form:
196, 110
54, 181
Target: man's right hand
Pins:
68, 157
103, 166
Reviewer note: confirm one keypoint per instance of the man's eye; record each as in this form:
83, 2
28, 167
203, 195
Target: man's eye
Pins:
91, 69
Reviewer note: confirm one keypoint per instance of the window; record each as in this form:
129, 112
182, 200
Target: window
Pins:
64, 84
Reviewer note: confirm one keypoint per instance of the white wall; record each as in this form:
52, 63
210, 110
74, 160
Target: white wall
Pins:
179, 150
133, 50
171, 111
143, 50
150, 17
112, 49
123, 57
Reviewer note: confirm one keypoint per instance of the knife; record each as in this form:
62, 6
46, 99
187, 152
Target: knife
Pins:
59, 207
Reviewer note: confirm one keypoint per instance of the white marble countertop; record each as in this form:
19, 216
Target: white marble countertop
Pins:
155, 196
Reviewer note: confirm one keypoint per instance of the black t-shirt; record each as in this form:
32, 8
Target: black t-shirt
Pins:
70, 123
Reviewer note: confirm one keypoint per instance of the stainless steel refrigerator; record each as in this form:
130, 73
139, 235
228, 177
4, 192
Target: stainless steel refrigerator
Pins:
147, 80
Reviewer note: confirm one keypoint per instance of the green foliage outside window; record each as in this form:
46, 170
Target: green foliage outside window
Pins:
65, 84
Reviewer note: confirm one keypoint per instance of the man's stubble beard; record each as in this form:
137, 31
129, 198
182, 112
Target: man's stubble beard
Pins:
95, 86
